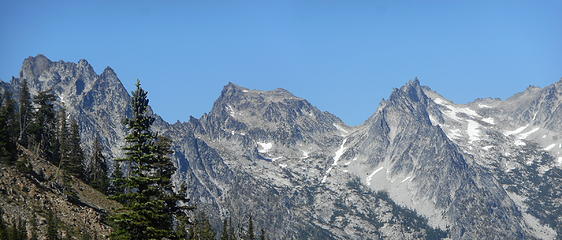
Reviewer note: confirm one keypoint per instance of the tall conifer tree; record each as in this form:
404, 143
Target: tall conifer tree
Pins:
43, 127
97, 169
25, 113
64, 139
251, 234
116, 185
8, 129
76, 158
149, 203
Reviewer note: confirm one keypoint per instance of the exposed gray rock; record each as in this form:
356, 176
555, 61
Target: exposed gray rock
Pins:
477, 170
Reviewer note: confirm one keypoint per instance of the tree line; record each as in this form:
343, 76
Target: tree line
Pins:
35, 123
153, 208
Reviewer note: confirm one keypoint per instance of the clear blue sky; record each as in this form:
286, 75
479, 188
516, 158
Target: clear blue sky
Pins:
343, 56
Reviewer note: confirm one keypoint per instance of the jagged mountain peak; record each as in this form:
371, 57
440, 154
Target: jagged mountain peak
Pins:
34, 66
412, 90
232, 87
108, 73
38, 59
274, 114
257, 148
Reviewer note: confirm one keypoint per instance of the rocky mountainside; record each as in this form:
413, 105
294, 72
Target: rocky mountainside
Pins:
38, 191
420, 163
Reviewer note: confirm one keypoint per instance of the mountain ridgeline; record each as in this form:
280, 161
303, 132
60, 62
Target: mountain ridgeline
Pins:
421, 167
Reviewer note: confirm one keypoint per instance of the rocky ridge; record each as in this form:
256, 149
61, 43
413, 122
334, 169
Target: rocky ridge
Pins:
302, 173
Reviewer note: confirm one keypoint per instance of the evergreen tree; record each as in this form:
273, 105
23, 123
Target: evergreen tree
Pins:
52, 227
116, 185
224, 234
64, 139
13, 232
86, 236
262, 236
43, 127
76, 157
231, 233
149, 205
3, 227
25, 114
202, 229
8, 129
21, 230
33, 228
251, 234
97, 170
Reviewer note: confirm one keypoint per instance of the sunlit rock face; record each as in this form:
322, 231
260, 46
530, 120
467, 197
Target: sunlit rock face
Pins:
487, 169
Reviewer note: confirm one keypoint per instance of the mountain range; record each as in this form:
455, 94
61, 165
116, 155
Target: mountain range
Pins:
420, 167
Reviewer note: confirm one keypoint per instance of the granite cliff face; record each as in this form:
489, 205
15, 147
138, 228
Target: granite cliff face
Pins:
487, 169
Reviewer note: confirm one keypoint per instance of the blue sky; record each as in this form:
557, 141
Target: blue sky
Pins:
343, 56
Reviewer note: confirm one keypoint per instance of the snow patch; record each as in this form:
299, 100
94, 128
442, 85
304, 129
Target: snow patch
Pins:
326, 176
525, 135
549, 147
370, 177
440, 101
518, 142
487, 147
406, 179
337, 156
304, 154
472, 131
452, 110
516, 131
341, 129
339, 152
489, 120
245, 90
483, 106
454, 133
264, 147
433, 121
230, 110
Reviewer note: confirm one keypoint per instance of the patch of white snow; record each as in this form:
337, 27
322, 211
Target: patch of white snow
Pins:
264, 147
373, 174
489, 120
304, 154
525, 135
549, 147
439, 101
341, 129
230, 110
472, 131
516, 131
339, 152
487, 147
406, 179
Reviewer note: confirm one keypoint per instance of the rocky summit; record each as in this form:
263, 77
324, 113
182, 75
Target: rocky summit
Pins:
421, 167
